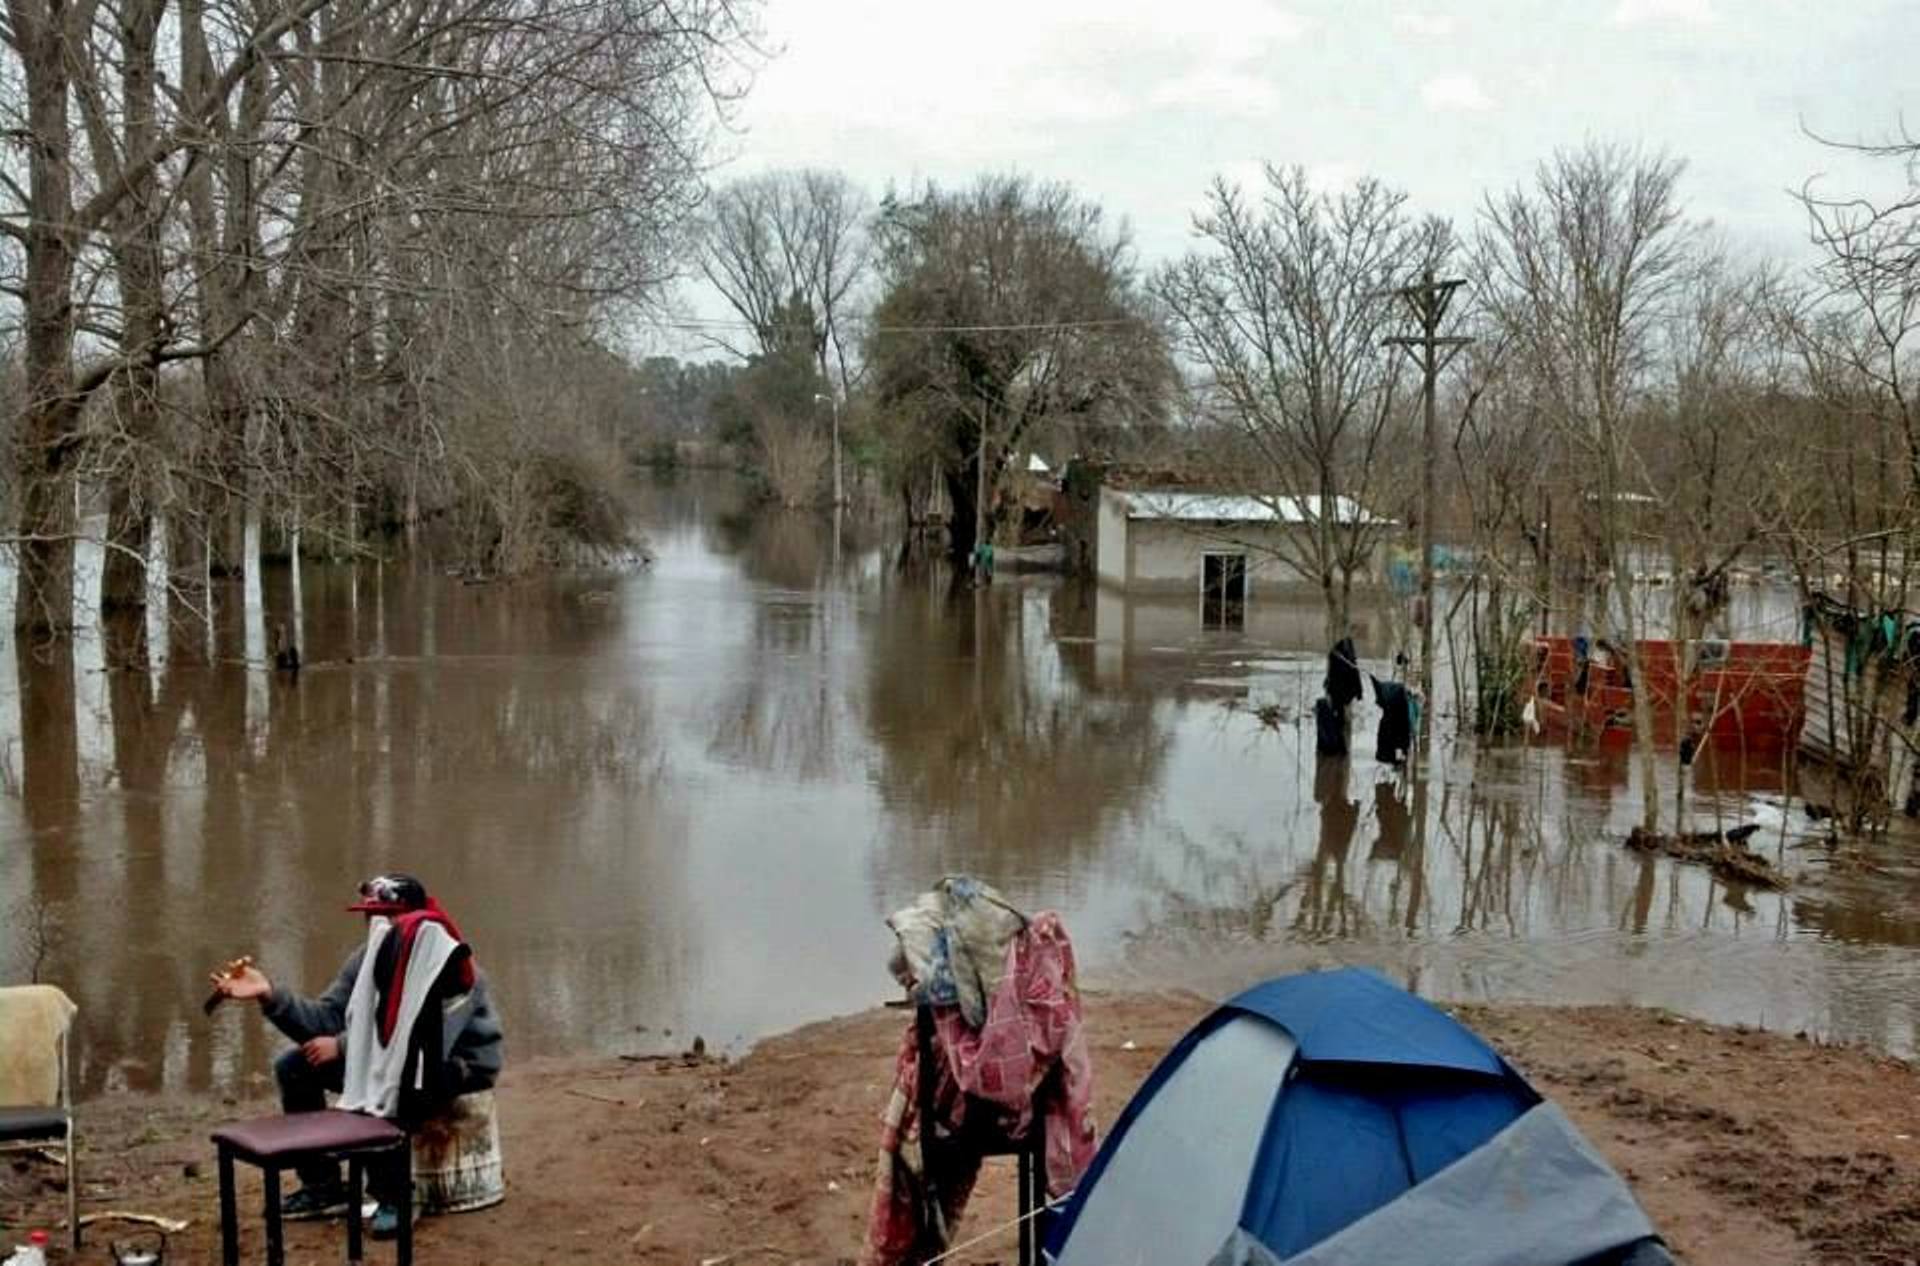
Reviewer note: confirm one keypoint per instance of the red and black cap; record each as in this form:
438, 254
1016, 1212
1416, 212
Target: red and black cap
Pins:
391, 894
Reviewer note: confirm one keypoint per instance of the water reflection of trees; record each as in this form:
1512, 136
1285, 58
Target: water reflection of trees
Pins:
210, 809
787, 706
793, 549
1499, 857
982, 736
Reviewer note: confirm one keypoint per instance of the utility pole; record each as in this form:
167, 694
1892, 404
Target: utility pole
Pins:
833, 403
839, 497
1429, 299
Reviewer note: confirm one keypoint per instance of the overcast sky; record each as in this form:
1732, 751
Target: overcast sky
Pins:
1140, 103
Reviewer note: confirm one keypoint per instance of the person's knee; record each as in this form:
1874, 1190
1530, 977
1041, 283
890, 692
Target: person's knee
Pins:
291, 1070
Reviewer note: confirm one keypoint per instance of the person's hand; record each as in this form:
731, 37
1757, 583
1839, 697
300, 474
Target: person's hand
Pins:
241, 979
320, 1050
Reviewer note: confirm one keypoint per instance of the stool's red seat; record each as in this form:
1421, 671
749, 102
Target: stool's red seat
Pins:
283, 1142
298, 1135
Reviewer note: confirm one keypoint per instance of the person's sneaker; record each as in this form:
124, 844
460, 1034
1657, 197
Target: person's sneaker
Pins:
311, 1202
385, 1223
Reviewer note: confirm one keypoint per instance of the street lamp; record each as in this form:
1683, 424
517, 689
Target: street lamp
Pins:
834, 402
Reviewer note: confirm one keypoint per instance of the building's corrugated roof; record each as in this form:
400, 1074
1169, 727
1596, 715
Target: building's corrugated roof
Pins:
1208, 507
1036, 465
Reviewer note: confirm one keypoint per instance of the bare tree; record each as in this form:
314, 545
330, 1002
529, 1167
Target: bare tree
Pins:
1008, 307
1578, 272
304, 208
1844, 482
790, 241
1284, 309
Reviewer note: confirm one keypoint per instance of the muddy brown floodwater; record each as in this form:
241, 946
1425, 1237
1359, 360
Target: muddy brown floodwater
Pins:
680, 801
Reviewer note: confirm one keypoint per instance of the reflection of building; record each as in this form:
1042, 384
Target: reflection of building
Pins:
1220, 549
1139, 628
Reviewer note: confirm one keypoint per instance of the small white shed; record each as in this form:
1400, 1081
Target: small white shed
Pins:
1216, 546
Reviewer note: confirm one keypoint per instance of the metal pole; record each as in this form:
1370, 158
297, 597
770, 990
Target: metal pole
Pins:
1430, 323
839, 498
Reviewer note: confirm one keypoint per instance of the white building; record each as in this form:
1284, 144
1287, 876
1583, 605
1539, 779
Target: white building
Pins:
1221, 549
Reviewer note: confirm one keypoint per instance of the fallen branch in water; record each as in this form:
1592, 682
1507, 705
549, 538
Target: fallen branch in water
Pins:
1726, 855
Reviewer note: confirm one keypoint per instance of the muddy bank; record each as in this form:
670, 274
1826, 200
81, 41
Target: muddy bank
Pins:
1745, 1147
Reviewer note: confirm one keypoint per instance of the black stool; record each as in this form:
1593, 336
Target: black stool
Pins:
284, 1142
1031, 1151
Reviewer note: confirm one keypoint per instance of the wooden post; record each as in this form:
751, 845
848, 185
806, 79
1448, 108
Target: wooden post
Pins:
980, 485
1429, 299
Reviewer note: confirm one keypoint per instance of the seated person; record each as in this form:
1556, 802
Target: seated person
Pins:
378, 1044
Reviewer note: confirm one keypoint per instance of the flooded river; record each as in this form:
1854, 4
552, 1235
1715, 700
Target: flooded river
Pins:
681, 800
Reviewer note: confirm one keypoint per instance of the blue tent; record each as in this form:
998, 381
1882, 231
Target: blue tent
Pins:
1333, 1119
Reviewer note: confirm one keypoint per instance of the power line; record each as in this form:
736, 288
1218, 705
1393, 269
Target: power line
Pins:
697, 324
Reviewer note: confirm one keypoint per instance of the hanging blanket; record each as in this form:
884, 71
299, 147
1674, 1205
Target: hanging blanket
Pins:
1032, 1028
33, 1018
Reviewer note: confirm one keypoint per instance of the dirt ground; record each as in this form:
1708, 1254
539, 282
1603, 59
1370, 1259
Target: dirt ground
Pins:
1745, 1147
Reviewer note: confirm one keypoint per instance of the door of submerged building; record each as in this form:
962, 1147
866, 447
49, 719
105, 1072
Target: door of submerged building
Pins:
1223, 591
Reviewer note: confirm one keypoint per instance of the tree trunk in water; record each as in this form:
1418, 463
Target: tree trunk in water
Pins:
45, 441
136, 257
43, 589
226, 540
49, 734
189, 606
123, 585
960, 519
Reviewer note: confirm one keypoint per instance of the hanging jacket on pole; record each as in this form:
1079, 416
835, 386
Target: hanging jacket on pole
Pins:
1329, 728
1343, 675
1396, 721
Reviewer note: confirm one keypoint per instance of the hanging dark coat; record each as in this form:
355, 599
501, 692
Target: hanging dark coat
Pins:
1329, 729
1343, 675
1396, 721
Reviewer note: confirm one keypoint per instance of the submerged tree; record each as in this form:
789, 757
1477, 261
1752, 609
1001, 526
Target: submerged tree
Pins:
1008, 307
791, 244
1844, 480
336, 210
1284, 308
1579, 273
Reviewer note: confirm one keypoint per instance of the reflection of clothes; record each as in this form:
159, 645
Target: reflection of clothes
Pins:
1338, 815
1033, 1028
1329, 728
1396, 721
1396, 824
1343, 674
